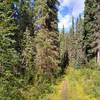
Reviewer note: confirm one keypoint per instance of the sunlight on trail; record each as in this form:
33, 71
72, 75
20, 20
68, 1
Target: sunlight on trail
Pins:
78, 84
64, 91
61, 91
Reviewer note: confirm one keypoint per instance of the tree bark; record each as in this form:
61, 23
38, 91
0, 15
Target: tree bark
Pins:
98, 56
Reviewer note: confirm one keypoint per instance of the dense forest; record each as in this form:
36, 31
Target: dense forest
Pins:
39, 62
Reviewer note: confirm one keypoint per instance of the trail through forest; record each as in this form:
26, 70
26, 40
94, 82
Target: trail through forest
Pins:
64, 90
61, 91
78, 84
40, 60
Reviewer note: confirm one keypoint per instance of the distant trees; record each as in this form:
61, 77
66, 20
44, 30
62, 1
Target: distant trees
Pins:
26, 58
64, 56
72, 45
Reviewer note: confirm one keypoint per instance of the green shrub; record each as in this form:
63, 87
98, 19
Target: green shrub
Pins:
9, 87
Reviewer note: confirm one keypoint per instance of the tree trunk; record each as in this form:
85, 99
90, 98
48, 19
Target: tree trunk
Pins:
98, 56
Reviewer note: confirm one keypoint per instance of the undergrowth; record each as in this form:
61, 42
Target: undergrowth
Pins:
82, 83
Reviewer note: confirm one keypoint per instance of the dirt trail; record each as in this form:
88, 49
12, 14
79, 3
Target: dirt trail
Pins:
61, 91
64, 90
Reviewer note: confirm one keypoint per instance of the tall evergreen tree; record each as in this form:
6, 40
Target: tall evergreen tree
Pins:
47, 42
91, 35
24, 34
72, 29
75, 42
63, 30
79, 25
62, 41
72, 43
78, 35
27, 62
8, 54
24, 20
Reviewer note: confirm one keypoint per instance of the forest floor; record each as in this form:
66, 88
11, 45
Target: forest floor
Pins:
78, 84
61, 91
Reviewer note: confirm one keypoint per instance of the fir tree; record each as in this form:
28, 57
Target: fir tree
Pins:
63, 50
27, 55
72, 43
78, 34
72, 30
25, 15
75, 42
47, 42
62, 41
8, 54
63, 30
24, 36
91, 35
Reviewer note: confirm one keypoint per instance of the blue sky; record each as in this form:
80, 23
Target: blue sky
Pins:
67, 9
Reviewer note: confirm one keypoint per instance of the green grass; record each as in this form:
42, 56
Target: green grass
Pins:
82, 84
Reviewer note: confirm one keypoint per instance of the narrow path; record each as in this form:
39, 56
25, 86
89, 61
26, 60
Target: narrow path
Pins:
64, 91
61, 91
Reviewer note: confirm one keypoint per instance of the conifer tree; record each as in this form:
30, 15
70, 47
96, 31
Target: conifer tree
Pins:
78, 36
64, 59
25, 35
79, 25
24, 20
27, 55
63, 30
47, 42
72, 43
75, 42
91, 35
8, 54
72, 30
62, 41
